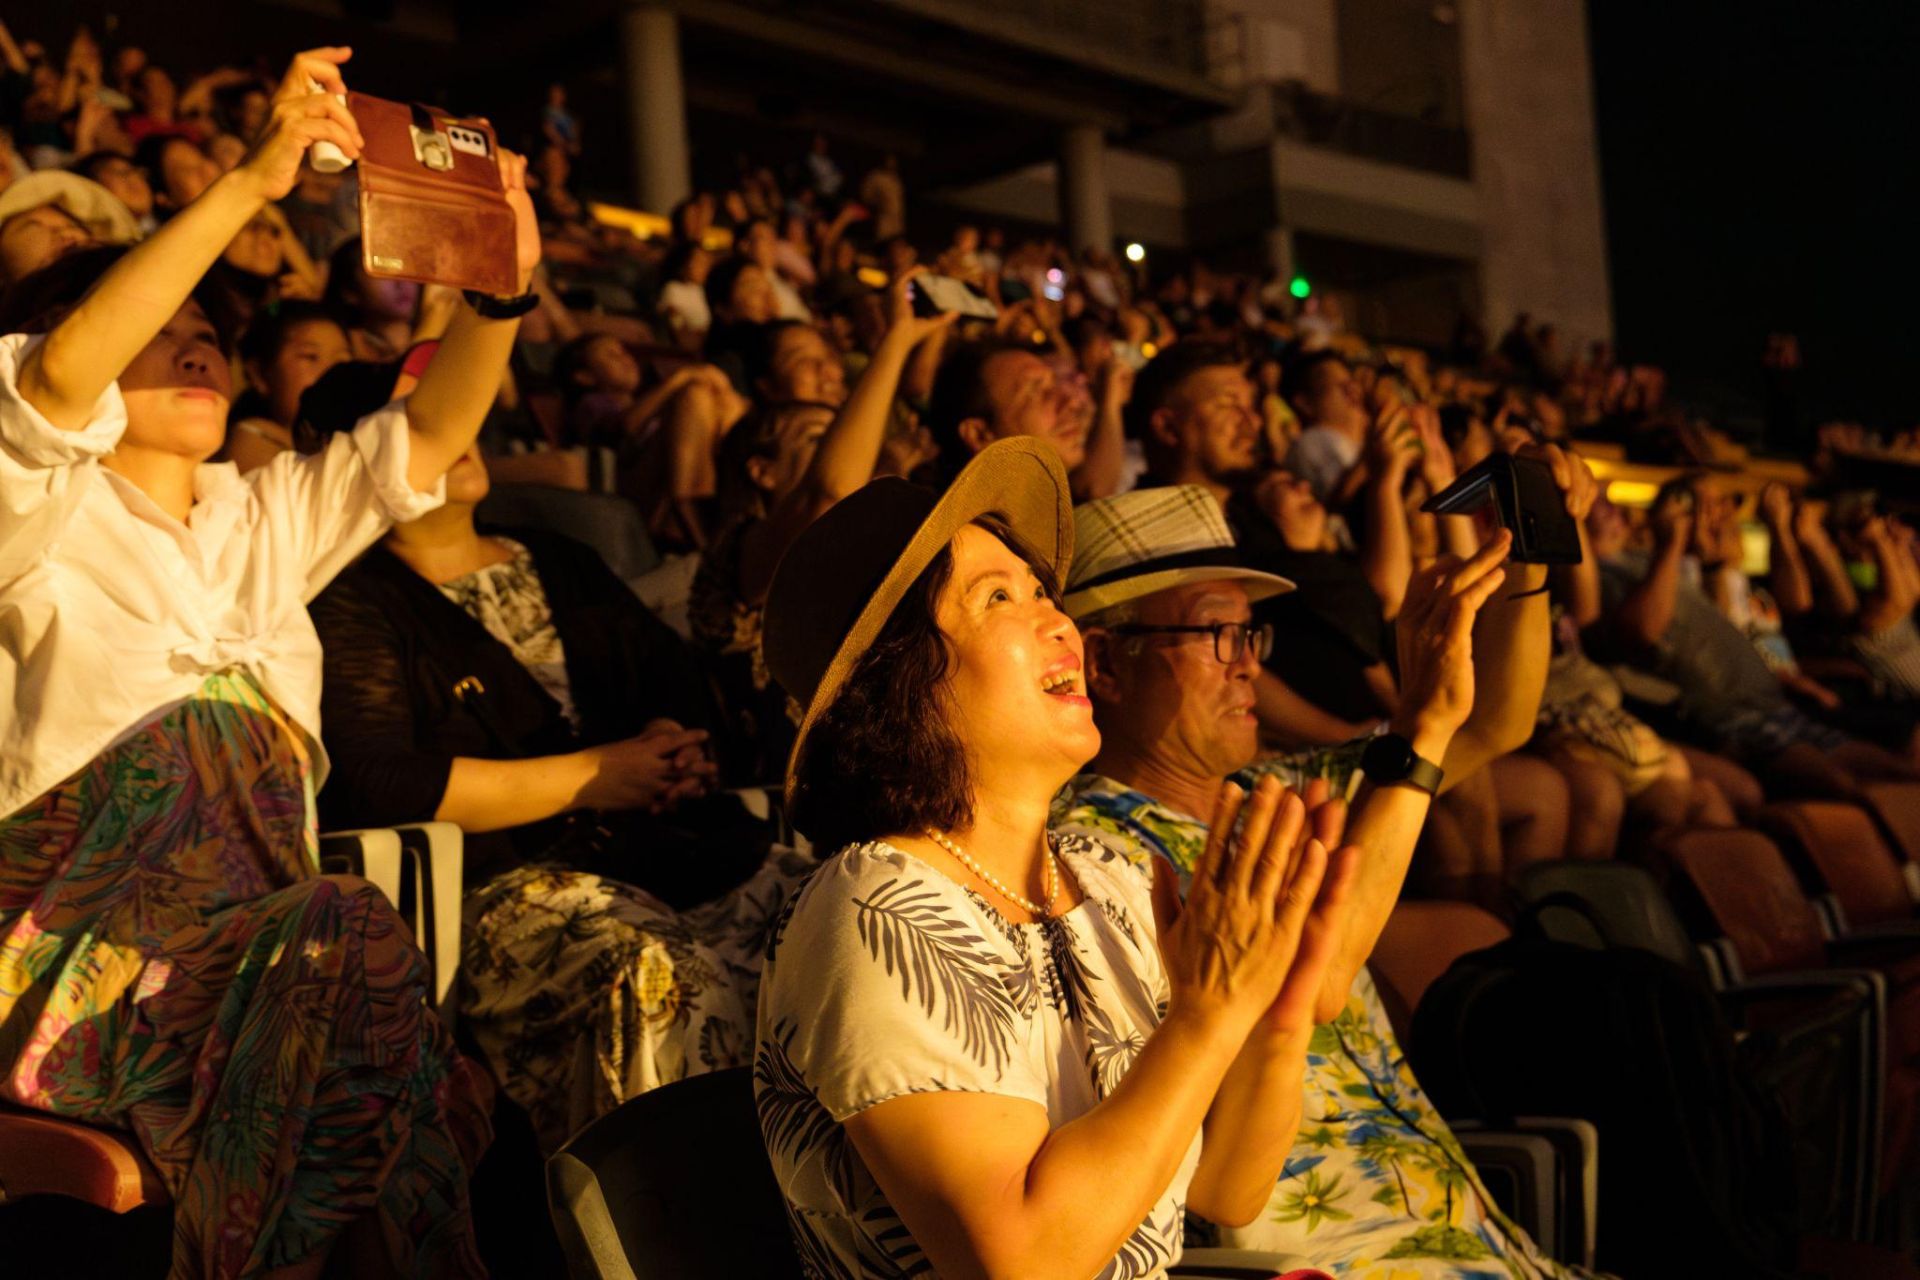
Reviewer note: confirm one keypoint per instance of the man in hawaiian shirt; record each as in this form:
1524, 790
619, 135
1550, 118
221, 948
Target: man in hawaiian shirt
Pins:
1377, 1187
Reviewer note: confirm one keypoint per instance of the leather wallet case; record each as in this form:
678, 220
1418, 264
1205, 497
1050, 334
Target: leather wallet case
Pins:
431, 205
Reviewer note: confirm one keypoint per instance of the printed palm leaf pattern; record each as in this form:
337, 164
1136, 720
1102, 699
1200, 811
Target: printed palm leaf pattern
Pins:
792, 1120
942, 965
1314, 1201
816, 1258
898, 1257
1147, 1250
1441, 1241
1069, 984
1110, 1051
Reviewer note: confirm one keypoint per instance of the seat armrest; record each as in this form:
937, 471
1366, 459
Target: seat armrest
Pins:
374, 854
1520, 1170
1576, 1144
438, 855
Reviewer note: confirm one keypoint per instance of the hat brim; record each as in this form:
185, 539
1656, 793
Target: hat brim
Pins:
1020, 480
1259, 586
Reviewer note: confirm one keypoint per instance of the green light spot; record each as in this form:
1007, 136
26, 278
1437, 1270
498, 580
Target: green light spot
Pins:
1299, 287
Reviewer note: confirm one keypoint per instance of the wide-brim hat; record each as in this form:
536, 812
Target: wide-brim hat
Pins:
1147, 540
84, 200
843, 577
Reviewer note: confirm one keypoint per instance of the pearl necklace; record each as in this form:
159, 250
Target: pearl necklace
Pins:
1050, 879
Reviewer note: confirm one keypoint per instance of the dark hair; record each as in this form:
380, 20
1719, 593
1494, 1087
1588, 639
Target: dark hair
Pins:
1162, 377
343, 292
757, 435
1456, 421
757, 345
1300, 370
90, 164
677, 259
150, 153
883, 758
270, 329
37, 302
343, 395
570, 360
960, 392
720, 281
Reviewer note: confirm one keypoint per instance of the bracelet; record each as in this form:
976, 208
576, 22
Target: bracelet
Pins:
489, 307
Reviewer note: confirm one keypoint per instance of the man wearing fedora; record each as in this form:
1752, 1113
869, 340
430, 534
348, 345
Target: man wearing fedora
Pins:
1165, 606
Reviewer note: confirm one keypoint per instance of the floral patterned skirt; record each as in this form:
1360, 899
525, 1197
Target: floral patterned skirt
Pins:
584, 991
171, 964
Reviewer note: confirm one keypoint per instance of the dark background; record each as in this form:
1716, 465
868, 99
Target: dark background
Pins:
1758, 162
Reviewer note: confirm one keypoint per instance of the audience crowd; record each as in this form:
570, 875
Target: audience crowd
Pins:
797, 660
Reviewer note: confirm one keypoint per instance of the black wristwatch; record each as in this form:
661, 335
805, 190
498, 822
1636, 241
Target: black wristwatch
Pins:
489, 307
1390, 760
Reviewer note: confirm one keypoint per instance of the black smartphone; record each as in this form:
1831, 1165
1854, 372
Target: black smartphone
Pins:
1526, 501
936, 295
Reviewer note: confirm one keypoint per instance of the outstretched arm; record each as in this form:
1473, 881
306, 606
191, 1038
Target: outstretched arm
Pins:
64, 377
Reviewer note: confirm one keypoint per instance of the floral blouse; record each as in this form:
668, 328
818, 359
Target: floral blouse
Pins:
904, 981
1376, 1186
508, 600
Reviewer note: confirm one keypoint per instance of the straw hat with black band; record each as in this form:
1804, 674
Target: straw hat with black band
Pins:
1149, 540
843, 577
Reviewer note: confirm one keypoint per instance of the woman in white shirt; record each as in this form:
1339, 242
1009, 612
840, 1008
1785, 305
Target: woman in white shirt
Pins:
954, 1077
170, 962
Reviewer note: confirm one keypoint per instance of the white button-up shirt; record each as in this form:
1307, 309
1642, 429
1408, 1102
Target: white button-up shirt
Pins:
112, 612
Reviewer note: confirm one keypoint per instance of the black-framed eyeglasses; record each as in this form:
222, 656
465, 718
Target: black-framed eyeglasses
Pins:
1231, 640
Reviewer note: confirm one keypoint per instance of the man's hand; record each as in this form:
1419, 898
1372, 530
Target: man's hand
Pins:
1673, 522
902, 324
1436, 459
1435, 640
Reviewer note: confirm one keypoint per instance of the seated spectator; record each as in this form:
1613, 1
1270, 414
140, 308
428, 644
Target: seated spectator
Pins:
760, 244
126, 180
176, 168
683, 298
780, 469
1172, 648
789, 361
172, 965
282, 355
1333, 427
740, 296
46, 215
1657, 616
949, 1070
572, 750
993, 390
379, 313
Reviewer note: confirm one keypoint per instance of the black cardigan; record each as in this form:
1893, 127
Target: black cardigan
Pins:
396, 649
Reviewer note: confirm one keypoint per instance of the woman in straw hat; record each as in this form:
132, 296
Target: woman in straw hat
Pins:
978, 1052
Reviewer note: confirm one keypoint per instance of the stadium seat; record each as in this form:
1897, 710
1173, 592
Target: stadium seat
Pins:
1420, 941
1837, 851
1738, 884
675, 1184
1896, 807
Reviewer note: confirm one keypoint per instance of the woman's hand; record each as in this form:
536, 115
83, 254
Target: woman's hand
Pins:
1229, 954
526, 224
902, 324
643, 772
300, 117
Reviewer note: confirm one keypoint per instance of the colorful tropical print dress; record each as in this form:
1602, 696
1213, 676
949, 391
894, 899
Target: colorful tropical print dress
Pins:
887, 978
1376, 1187
172, 964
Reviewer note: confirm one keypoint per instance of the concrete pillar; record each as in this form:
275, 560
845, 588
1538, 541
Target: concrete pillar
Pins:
1085, 211
1280, 251
656, 107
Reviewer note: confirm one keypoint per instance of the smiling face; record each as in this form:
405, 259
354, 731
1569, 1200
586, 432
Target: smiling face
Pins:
1015, 681
256, 249
30, 240
1028, 400
177, 389
128, 182
1167, 697
806, 368
1211, 421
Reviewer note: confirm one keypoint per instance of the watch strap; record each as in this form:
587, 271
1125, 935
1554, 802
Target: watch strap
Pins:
489, 307
1419, 771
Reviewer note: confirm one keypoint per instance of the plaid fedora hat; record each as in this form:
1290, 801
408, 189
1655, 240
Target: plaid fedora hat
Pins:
841, 579
1134, 544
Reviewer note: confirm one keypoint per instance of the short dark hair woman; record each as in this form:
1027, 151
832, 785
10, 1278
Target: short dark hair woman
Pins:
977, 1051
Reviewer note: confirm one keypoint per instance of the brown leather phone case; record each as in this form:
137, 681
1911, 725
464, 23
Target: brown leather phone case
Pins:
431, 205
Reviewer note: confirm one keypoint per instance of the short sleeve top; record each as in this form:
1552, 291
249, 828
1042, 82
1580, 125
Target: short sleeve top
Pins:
887, 978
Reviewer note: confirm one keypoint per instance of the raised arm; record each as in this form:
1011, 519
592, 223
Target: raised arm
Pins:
1832, 588
1646, 611
64, 377
846, 455
1098, 475
446, 409
1386, 552
1787, 565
